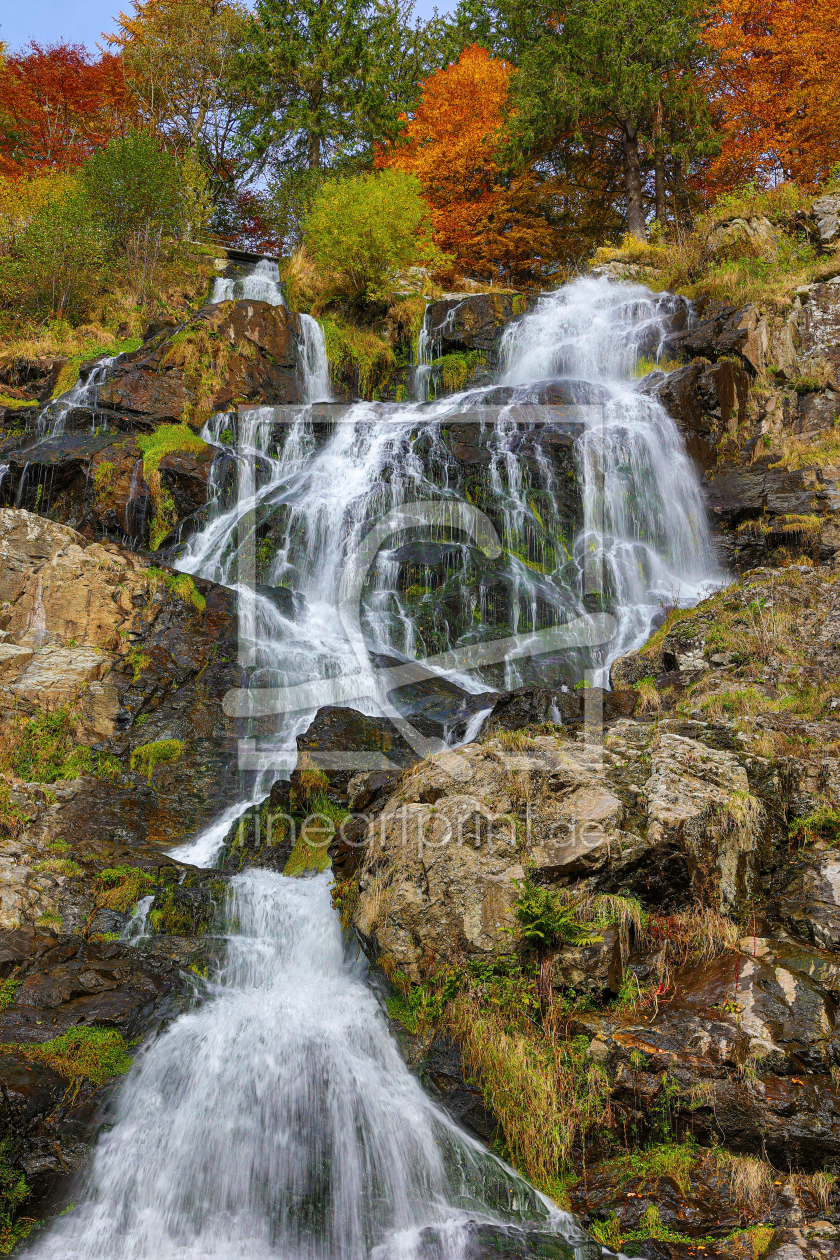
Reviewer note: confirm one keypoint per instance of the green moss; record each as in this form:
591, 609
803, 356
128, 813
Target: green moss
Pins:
160, 752
181, 585
357, 357
454, 370
121, 887
139, 661
69, 374
103, 481
166, 440
90, 1054
14, 1192
172, 918
16, 404
8, 989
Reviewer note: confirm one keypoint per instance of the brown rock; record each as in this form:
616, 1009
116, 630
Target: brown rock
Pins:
250, 348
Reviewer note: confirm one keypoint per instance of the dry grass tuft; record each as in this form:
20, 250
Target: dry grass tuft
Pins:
741, 816
694, 936
650, 699
750, 1180
547, 1093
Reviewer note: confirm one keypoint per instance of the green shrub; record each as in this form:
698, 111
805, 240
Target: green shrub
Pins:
54, 264
181, 585
146, 198
366, 229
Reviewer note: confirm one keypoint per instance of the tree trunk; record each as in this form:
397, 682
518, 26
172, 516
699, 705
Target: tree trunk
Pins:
314, 154
659, 167
633, 181
682, 210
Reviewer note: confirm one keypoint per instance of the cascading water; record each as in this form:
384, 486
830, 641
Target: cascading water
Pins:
81, 397
277, 1120
260, 284
643, 508
314, 358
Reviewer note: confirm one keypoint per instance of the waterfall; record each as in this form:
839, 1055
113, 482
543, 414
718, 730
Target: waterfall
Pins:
80, 397
314, 360
277, 1121
644, 513
260, 284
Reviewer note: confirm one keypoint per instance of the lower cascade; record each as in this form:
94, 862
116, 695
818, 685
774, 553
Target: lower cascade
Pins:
278, 1120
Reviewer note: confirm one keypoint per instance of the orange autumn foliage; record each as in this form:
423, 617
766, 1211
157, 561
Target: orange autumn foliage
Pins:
775, 85
57, 105
490, 222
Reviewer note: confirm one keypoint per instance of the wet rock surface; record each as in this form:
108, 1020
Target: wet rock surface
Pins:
251, 349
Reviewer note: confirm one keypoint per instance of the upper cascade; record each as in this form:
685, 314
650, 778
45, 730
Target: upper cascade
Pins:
260, 284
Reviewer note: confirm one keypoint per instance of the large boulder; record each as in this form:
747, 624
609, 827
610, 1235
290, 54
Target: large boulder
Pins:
751, 237
94, 482
723, 331
826, 212
476, 322
706, 401
229, 353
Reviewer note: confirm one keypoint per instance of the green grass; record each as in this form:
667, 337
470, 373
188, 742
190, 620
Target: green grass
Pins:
59, 866
121, 887
90, 1054
823, 822
69, 374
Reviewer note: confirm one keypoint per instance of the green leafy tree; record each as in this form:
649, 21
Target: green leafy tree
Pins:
365, 229
146, 199
611, 78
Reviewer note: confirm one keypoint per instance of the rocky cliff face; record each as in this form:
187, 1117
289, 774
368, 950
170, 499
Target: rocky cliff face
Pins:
113, 747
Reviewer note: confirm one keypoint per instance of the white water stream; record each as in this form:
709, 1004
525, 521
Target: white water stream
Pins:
277, 1121
260, 284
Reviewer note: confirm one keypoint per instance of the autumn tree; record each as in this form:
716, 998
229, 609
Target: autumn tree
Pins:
178, 57
58, 104
775, 86
490, 220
